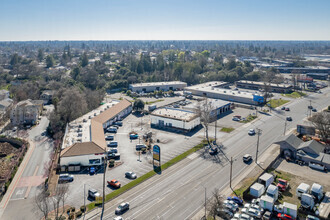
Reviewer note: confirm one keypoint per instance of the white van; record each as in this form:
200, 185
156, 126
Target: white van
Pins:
302, 188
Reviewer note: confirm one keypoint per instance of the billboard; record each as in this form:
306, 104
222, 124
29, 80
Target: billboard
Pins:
156, 155
258, 98
303, 129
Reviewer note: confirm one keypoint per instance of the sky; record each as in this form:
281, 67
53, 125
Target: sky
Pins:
31, 20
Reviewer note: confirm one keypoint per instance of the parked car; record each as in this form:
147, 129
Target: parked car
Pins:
283, 108
252, 212
267, 215
213, 151
114, 183
252, 132
133, 136
310, 107
92, 171
253, 206
109, 137
113, 144
287, 109
283, 216
114, 156
65, 178
140, 147
288, 118
227, 212
113, 150
130, 175
119, 123
310, 217
93, 193
123, 207
314, 110
247, 158
112, 130
236, 119
236, 199
233, 204
242, 216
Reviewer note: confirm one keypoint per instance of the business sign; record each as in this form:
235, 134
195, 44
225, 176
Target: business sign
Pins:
258, 98
302, 129
156, 155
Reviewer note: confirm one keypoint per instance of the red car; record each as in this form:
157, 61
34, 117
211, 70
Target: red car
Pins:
284, 216
114, 183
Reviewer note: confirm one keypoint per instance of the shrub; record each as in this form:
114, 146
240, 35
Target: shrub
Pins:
62, 218
73, 209
83, 208
71, 215
111, 162
79, 213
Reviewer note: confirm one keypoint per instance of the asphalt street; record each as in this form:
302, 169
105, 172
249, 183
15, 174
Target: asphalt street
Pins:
179, 193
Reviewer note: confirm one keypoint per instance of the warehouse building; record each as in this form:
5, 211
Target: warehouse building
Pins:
320, 76
173, 118
218, 107
214, 90
84, 142
279, 88
156, 86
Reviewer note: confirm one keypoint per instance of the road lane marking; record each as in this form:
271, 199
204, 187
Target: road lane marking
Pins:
29, 188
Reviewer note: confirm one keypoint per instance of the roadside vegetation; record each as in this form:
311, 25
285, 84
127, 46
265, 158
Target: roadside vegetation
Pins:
227, 130
277, 102
248, 119
295, 95
152, 102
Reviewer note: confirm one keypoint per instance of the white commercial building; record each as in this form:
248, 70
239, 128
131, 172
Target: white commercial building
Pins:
156, 86
214, 90
174, 118
84, 141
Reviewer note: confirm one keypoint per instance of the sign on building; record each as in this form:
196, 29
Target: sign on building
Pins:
156, 155
258, 98
303, 129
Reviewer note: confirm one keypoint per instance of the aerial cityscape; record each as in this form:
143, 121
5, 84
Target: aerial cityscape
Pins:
169, 110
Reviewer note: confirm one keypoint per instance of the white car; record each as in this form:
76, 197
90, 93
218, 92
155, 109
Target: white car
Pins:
253, 206
118, 218
232, 204
252, 132
242, 216
253, 212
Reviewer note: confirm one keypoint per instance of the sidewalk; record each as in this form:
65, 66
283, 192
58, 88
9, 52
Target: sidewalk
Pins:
16, 178
253, 171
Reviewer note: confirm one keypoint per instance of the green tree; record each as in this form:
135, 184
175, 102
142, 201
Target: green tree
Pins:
138, 105
84, 60
14, 59
40, 55
50, 62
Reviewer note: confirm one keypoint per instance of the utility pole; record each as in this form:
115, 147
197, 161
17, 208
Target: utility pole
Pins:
231, 170
284, 127
310, 108
258, 133
215, 131
84, 201
105, 168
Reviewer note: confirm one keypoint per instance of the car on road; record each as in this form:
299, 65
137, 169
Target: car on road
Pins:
130, 175
236, 199
287, 109
65, 178
112, 129
314, 110
92, 171
113, 144
288, 118
310, 107
109, 138
118, 218
114, 183
283, 216
93, 193
252, 132
123, 207
283, 108
133, 136
247, 158
233, 204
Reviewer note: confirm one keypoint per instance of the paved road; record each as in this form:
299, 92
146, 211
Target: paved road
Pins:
22, 196
179, 193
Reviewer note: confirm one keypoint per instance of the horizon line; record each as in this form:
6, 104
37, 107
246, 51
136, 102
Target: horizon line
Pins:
159, 40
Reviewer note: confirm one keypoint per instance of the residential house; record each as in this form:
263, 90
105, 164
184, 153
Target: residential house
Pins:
26, 112
47, 96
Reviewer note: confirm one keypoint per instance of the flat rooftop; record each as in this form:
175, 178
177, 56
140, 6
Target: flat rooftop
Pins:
175, 113
158, 84
263, 83
215, 103
79, 130
207, 84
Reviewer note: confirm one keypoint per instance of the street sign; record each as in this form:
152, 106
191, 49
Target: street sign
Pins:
156, 155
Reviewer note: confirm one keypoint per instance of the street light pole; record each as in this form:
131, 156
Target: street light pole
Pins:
231, 170
284, 127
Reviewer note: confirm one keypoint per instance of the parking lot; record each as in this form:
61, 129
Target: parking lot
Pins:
171, 144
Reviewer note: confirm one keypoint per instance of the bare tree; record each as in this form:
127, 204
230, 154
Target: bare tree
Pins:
203, 110
42, 202
321, 122
267, 91
215, 205
59, 199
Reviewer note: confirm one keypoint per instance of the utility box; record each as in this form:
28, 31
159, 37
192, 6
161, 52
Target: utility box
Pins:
266, 179
272, 191
256, 190
266, 203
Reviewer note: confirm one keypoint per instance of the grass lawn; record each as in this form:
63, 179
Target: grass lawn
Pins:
227, 130
277, 102
295, 95
248, 119
152, 102
146, 176
246, 183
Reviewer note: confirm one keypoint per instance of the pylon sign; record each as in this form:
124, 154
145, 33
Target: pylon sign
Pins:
156, 155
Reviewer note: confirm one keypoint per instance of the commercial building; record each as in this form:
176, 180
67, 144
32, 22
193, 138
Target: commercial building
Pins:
215, 90
280, 88
173, 118
155, 86
84, 142
321, 76
26, 112
293, 148
217, 106
302, 70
